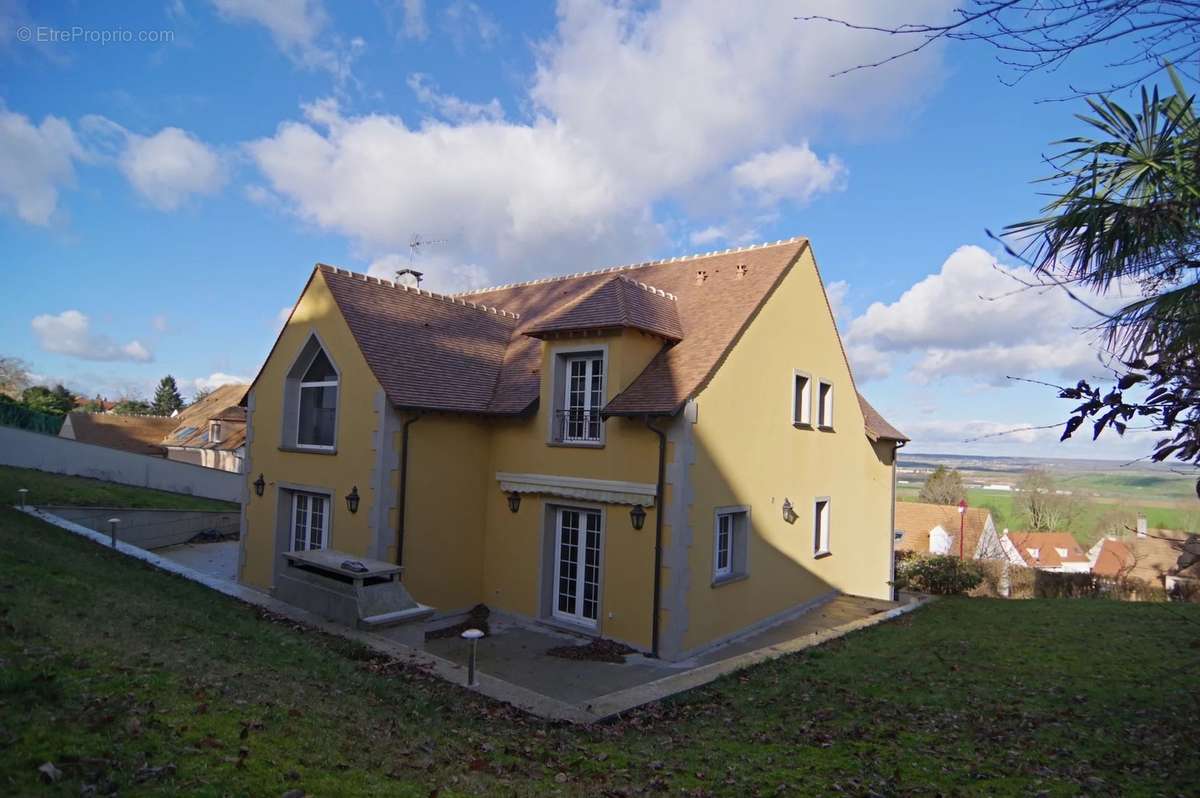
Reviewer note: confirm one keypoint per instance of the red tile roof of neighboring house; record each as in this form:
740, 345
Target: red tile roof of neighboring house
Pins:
917, 519
1047, 545
137, 434
476, 352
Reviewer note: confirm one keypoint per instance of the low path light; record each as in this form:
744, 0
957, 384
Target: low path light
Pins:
473, 635
24, 493
112, 531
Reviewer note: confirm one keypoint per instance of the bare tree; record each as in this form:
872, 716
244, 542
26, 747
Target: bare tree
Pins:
14, 376
1042, 35
1044, 506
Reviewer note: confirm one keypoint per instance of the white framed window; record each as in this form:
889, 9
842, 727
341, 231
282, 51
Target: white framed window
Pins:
825, 405
821, 526
316, 408
310, 521
581, 394
801, 398
577, 546
730, 530
214, 431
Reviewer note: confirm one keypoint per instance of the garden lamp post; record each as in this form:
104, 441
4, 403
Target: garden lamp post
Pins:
962, 525
473, 635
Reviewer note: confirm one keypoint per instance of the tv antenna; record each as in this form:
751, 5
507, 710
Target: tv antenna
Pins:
415, 245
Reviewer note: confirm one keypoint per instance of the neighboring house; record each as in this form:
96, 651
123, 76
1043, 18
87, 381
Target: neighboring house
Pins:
1152, 555
211, 432
137, 434
1046, 551
666, 454
934, 528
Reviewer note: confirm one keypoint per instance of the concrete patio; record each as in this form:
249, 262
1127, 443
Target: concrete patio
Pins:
515, 651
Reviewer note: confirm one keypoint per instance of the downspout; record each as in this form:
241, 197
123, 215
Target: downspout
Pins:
403, 493
892, 532
658, 532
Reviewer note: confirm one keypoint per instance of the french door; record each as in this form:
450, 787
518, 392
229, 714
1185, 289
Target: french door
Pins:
577, 565
310, 521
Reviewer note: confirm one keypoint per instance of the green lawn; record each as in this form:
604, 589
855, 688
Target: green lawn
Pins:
46, 488
131, 679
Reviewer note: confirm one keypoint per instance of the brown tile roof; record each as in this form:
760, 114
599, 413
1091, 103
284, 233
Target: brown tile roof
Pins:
427, 351
476, 352
191, 428
613, 304
877, 426
1047, 545
137, 434
1148, 558
917, 519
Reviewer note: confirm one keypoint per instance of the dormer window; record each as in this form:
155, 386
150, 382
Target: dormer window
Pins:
310, 401
578, 398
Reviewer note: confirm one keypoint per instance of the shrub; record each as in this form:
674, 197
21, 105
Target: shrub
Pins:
939, 574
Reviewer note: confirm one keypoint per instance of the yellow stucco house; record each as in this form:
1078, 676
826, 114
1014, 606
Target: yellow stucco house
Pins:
667, 454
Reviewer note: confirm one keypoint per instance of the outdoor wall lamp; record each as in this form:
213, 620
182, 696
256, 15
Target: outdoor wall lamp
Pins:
260, 485
638, 516
514, 501
789, 512
352, 499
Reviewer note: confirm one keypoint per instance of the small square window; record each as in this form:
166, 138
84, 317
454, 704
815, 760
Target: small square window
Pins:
821, 527
801, 398
730, 530
825, 405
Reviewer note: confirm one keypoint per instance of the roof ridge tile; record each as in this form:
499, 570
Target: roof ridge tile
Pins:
629, 266
453, 299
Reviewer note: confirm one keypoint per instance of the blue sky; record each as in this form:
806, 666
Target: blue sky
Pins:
163, 198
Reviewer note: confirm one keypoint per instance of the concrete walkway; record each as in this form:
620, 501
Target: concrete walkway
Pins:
513, 667
218, 560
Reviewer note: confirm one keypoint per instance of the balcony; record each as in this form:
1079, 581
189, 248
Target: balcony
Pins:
577, 426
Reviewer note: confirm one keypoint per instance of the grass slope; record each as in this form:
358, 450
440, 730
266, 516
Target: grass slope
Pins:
134, 680
46, 488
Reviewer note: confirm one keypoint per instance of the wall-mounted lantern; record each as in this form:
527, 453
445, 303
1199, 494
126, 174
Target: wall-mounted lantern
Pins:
260, 485
514, 502
789, 512
352, 500
638, 516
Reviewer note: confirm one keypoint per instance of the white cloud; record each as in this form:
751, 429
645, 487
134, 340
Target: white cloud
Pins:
629, 108
292, 23
160, 323
415, 26
791, 172
36, 162
70, 333
437, 273
216, 380
166, 168
971, 320
836, 292
466, 20
170, 166
451, 108
699, 238
296, 27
